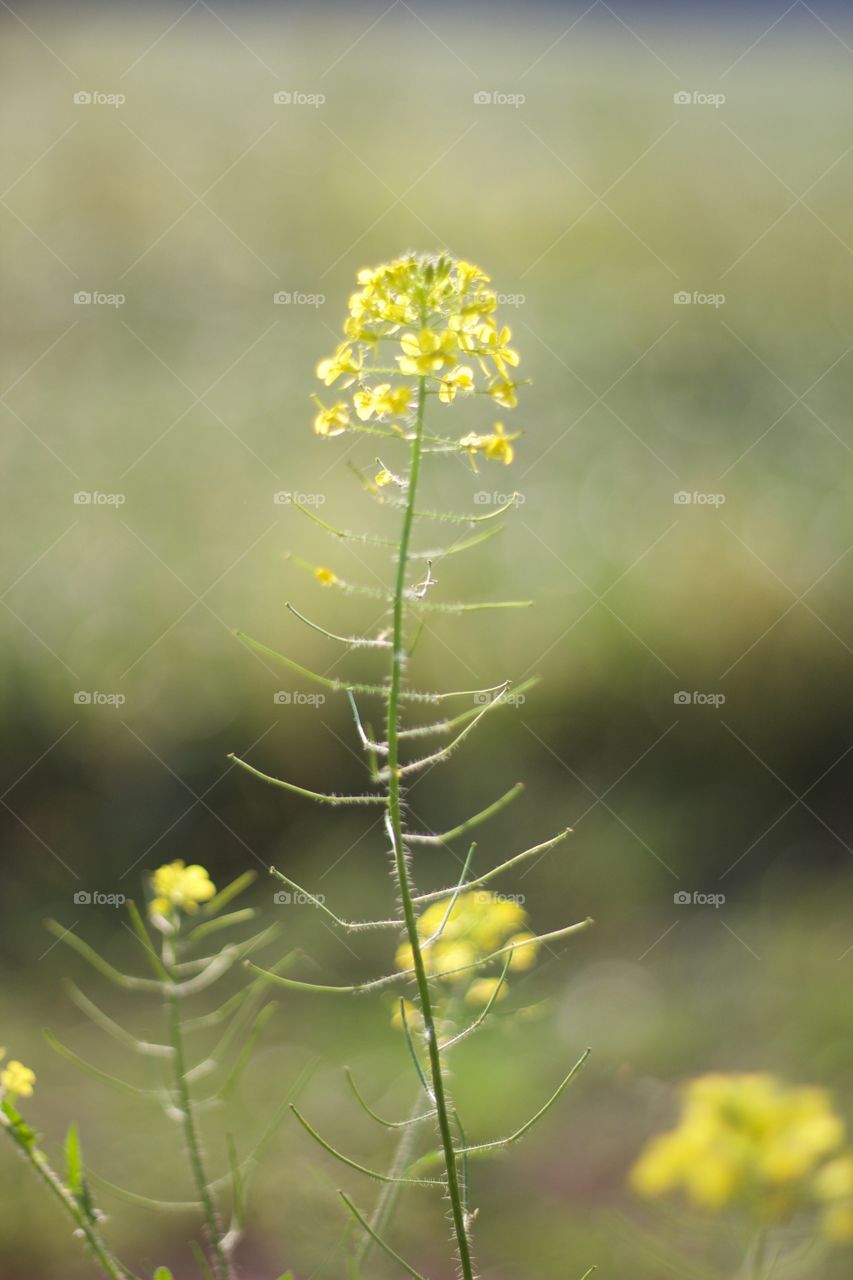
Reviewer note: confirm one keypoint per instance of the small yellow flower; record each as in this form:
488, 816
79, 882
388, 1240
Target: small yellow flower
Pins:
460, 379
333, 421
525, 953
177, 886
427, 352
502, 392
343, 363
497, 446
482, 990
17, 1080
325, 577
383, 478
478, 924
414, 1018
382, 400
493, 346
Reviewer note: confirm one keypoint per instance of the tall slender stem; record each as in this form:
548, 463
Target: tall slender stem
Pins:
398, 657
222, 1266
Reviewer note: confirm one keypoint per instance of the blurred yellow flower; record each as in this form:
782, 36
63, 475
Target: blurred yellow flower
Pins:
482, 990
478, 924
16, 1079
743, 1139
176, 885
343, 362
325, 577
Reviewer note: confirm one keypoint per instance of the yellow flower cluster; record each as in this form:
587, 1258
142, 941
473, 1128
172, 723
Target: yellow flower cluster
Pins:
177, 886
477, 925
752, 1141
437, 314
16, 1080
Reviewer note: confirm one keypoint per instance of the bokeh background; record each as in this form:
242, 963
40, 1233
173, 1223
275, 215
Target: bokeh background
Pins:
594, 198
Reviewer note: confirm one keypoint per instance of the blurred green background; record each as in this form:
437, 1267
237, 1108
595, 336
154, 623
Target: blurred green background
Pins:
592, 203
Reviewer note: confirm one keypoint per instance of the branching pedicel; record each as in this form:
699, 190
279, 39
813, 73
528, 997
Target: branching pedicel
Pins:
422, 328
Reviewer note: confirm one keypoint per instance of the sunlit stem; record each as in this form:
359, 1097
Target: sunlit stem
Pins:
401, 866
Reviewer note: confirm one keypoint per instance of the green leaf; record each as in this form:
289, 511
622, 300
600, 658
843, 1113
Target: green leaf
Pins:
74, 1161
288, 1275
163, 1273
18, 1128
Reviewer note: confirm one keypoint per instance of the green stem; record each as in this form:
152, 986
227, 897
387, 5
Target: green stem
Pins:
222, 1265
46, 1174
394, 799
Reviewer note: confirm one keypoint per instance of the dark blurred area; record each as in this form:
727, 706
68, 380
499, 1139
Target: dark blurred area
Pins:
661, 195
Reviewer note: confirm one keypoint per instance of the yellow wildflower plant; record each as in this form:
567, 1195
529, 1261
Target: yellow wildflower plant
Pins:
744, 1140
325, 577
16, 1080
427, 316
179, 887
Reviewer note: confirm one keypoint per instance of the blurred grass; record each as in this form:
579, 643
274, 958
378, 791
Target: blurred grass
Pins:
632, 399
